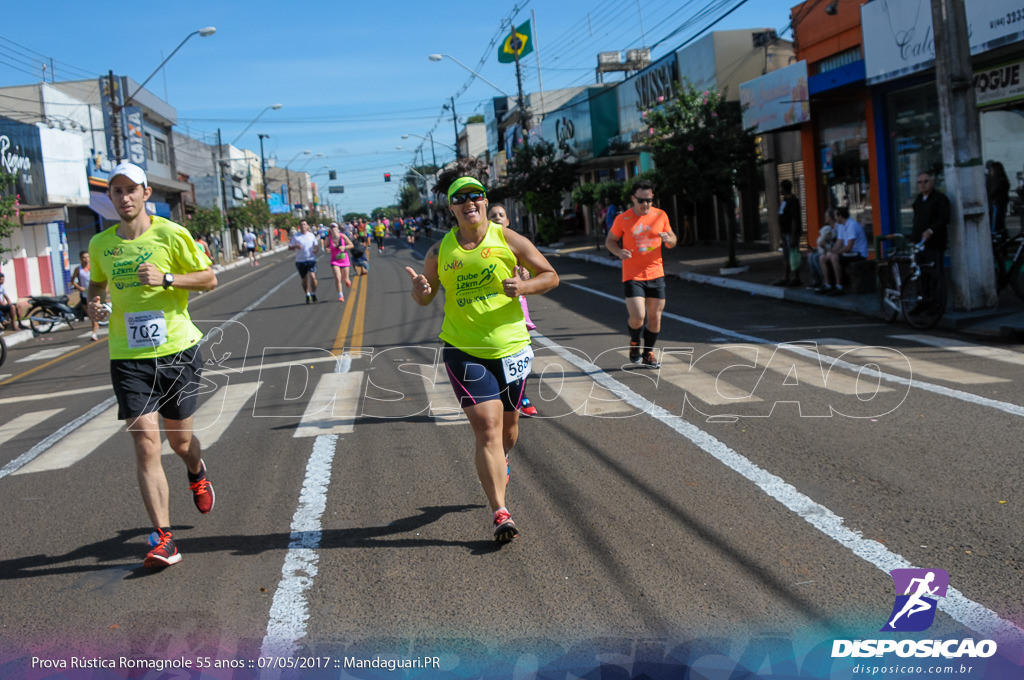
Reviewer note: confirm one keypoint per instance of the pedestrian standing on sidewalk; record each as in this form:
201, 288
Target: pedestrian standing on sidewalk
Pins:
643, 230
790, 229
155, 360
496, 213
80, 282
487, 349
306, 244
931, 226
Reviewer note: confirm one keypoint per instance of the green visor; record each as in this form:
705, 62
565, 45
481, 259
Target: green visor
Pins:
462, 183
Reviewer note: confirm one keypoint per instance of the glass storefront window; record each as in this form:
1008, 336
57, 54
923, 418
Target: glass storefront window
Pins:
916, 146
845, 157
1002, 140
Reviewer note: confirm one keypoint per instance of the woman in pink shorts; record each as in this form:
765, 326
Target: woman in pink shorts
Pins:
339, 245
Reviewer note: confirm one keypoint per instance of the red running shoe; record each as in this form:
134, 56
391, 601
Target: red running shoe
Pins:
202, 490
504, 528
164, 554
527, 408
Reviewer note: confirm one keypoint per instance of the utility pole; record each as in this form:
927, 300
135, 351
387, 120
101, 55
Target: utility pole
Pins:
455, 122
263, 168
970, 238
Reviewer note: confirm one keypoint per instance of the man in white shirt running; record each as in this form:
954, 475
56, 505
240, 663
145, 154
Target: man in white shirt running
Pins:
307, 244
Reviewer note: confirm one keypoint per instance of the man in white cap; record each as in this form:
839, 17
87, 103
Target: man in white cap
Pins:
154, 346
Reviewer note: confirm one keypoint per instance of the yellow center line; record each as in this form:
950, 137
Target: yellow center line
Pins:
346, 317
51, 362
360, 320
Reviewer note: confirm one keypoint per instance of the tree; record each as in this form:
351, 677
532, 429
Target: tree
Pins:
8, 210
538, 177
700, 146
206, 221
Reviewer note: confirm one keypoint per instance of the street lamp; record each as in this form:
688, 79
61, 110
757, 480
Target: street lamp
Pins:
521, 102
439, 57
319, 155
202, 32
275, 107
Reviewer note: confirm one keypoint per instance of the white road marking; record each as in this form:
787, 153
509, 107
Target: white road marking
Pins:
444, 405
48, 353
970, 349
573, 387
1006, 407
333, 406
955, 604
885, 357
213, 417
13, 428
78, 444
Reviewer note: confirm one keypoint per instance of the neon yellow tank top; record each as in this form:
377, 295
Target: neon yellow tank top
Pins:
479, 318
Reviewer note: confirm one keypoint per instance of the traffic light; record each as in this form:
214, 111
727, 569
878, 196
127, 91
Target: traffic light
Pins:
387, 176
332, 174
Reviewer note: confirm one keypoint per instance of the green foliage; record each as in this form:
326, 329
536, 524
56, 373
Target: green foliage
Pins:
410, 202
476, 118
699, 143
284, 221
538, 178
585, 193
206, 221
8, 210
353, 216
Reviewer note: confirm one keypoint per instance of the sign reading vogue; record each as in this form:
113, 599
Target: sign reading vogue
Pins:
905, 42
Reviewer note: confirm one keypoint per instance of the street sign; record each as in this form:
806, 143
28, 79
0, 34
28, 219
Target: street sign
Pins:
336, 190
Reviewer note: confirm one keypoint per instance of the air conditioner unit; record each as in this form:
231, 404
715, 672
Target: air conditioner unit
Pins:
604, 58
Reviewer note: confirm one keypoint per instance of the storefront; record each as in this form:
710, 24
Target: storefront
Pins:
900, 67
838, 141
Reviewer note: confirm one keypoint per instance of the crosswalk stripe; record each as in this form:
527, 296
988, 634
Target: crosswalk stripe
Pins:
12, 429
806, 372
78, 444
48, 353
892, 359
979, 351
573, 387
444, 405
333, 407
213, 417
706, 387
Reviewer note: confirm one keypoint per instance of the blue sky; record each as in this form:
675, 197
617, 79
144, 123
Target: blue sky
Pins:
352, 78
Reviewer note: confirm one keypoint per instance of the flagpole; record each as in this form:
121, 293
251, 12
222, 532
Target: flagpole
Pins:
540, 82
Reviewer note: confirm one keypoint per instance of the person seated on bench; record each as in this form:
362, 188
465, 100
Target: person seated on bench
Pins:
851, 245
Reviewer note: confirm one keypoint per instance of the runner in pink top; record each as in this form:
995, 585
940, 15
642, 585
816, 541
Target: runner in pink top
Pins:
339, 244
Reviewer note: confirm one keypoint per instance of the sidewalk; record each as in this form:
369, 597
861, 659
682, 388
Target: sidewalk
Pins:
760, 267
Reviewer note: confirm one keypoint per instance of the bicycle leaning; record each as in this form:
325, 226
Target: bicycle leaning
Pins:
1008, 256
908, 284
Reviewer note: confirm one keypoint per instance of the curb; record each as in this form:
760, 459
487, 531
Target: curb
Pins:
983, 324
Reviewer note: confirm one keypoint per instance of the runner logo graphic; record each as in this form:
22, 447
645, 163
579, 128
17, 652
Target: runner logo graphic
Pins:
917, 591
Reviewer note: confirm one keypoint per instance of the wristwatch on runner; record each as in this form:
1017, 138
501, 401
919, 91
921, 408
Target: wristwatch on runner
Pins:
168, 280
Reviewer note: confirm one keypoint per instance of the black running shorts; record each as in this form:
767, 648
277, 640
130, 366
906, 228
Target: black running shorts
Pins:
655, 288
168, 385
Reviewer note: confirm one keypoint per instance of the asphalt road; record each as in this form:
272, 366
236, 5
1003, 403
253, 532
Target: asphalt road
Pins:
760, 486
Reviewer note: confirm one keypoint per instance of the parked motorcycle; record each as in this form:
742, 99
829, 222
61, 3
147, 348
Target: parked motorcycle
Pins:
46, 311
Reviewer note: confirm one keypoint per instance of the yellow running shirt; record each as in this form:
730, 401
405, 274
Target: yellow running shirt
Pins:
147, 321
479, 318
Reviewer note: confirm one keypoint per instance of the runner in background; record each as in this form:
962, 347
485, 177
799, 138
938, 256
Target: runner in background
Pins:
496, 213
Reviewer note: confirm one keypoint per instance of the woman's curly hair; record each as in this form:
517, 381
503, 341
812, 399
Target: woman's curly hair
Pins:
463, 167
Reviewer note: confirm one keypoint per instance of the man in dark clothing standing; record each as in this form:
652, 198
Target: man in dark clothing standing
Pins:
790, 228
931, 227
931, 217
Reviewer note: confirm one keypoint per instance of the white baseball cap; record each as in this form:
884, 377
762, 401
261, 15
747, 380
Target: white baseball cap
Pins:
133, 172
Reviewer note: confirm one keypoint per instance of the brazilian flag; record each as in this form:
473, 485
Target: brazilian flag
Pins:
518, 43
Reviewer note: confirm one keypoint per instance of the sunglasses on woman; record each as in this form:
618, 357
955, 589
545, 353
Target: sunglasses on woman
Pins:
459, 199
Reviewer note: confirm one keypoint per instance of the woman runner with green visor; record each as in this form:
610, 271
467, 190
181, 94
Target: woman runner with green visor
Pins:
487, 349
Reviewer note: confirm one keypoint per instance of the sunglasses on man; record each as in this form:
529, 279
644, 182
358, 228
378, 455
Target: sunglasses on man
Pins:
643, 200
459, 199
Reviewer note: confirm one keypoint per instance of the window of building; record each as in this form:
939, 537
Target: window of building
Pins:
160, 151
844, 155
916, 138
